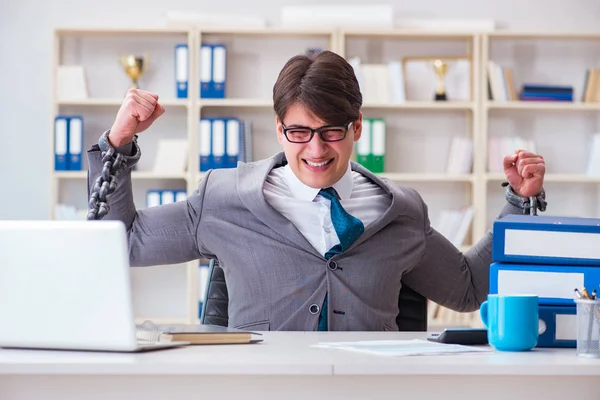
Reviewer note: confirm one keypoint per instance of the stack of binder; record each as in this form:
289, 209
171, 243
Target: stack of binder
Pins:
213, 71
550, 257
222, 143
157, 197
68, 142
370, 148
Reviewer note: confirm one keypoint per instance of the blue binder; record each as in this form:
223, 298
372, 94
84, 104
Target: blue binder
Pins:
546, 240
232, 142
554, 284
217, 143
180, 195
219, 71
152, 198
559, 324
204, 144
167, 197
206, 71
75, 143
61, 143
181, 70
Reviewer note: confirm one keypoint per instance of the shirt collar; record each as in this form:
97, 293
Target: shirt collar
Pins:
303, 192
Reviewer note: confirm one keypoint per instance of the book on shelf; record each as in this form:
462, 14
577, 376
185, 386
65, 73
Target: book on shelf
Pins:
195, 334
460, 156
498, 78
593, 165
380, 83
454, 224
591, 86
498, 147
542, 92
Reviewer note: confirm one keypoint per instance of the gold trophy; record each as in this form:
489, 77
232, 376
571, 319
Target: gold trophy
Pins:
440, 68
134, 67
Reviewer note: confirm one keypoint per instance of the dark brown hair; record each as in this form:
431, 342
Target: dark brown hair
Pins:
324, 83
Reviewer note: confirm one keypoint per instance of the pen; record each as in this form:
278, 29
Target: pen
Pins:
594, 294
577, 293
585, 294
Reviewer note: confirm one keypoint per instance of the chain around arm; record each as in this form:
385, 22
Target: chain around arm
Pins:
529, 205
106, 183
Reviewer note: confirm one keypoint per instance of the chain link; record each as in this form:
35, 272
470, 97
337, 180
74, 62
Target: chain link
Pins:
104, 185
529, 205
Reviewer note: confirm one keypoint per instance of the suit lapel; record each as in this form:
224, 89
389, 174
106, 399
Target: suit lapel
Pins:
252, 176
250, 181
397, 207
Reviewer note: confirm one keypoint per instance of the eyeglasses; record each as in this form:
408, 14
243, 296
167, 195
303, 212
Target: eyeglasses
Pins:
304, 134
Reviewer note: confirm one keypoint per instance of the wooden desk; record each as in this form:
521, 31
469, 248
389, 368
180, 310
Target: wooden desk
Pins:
286, 367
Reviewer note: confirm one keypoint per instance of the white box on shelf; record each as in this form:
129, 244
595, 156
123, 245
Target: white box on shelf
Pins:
171, 156
71, 83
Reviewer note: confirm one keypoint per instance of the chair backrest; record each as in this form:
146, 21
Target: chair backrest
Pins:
412, 306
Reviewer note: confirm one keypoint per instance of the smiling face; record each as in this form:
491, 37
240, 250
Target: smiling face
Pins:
315, 91
317, 164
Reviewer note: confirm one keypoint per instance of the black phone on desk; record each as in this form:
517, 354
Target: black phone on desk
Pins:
466, 336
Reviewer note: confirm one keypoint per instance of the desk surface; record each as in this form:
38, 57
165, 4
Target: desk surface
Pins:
290, 353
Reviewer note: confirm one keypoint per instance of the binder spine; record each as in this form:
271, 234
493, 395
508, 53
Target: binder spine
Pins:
75, 143
219, 59
378, 146
61, 140
181, 71
206, 67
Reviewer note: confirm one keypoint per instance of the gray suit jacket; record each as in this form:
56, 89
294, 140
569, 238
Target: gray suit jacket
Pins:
276, 279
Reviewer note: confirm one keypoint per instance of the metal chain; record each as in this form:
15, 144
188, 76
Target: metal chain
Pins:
529, 205
105, 184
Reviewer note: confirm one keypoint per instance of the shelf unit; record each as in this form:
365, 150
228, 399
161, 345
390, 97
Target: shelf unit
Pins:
561, 130
107, 85
264, 51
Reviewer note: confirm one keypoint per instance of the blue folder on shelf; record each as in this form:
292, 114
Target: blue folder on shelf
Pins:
558, 325
232, 142
181, 71
205, 144
61, 143
219, 71
75, 143
546, 240
206, 71
554, 284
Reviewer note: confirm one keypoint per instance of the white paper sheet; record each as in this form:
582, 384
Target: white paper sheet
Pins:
398, 348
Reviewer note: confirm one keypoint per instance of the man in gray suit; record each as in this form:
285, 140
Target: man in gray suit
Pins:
308, 240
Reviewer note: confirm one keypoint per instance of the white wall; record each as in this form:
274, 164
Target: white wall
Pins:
25, 61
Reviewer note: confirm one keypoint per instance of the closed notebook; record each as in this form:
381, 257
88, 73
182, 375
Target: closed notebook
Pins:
195, 334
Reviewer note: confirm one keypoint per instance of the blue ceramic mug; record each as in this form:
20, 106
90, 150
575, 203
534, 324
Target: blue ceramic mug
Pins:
511, 321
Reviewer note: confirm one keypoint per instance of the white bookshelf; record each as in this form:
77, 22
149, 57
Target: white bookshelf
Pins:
163, 293
561, 131
418, 132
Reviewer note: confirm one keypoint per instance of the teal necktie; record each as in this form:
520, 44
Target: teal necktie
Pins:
348, 229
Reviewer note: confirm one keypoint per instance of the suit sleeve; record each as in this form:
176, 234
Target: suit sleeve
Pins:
165, 234
450, 278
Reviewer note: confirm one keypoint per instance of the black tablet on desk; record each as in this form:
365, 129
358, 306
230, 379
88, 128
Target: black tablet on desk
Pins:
466, 336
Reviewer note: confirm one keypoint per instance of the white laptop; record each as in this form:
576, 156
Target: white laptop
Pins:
66, 285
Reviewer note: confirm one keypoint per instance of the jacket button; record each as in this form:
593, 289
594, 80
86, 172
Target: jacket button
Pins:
314, 309
332, 265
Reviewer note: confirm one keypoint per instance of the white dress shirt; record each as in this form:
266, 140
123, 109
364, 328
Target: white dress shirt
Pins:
310, 212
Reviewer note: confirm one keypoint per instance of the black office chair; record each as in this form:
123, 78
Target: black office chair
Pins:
412, 306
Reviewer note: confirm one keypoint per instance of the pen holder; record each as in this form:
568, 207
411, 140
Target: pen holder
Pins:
588, 328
